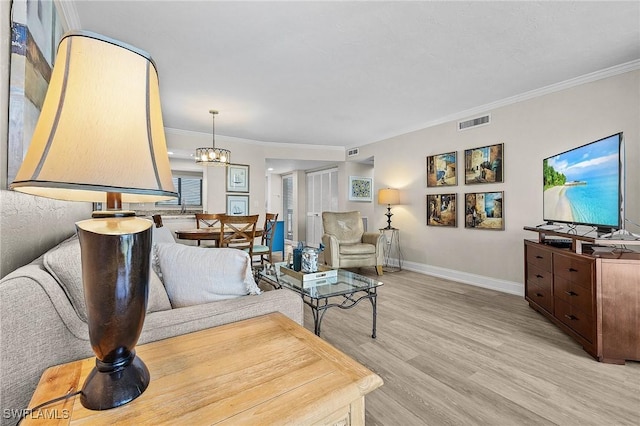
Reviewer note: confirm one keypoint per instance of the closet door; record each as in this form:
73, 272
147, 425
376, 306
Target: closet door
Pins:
322, 195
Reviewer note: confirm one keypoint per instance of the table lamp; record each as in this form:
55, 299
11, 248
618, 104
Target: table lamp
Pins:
388, 196
100, 138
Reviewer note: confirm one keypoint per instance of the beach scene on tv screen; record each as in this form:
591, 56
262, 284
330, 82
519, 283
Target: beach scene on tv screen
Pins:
581, 185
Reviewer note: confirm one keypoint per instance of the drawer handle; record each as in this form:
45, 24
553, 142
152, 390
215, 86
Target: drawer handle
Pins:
539, 295
573, 270
539, 257
539, 276
571, 293
571, 317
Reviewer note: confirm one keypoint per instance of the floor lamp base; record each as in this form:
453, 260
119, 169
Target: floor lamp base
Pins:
109, 389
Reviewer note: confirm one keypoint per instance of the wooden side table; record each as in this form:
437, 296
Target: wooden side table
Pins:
264, 370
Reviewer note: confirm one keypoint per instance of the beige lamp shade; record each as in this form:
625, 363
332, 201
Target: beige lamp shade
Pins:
388, 196
100, 130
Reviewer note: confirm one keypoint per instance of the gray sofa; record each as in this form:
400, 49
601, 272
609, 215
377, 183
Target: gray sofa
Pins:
42, 322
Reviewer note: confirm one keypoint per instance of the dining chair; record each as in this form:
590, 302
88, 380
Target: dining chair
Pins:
157, 220
265, 248
208, 220
238, 232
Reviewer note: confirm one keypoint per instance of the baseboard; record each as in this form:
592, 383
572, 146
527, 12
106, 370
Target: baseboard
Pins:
467, 278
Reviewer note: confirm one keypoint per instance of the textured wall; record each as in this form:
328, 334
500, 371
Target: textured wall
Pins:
30, 225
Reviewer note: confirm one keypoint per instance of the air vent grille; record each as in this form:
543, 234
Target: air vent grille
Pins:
474, 122
353, 151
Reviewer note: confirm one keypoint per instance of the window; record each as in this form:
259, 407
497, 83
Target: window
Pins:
189, 192
287, 205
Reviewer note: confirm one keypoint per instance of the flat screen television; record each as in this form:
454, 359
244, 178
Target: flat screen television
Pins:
584, 186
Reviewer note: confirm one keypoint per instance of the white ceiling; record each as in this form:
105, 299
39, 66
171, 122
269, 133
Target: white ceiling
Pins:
352, 73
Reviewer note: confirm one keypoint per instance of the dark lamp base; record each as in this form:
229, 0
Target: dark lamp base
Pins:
388, 215
104, 390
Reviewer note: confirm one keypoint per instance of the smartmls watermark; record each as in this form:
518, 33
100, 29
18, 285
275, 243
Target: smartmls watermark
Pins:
42, 413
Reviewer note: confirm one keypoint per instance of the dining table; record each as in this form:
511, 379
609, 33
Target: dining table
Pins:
205, 234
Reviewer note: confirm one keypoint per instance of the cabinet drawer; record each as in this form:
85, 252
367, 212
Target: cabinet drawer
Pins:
573, 269
539, 257
575, 295
540, 295
539, 276
573, 317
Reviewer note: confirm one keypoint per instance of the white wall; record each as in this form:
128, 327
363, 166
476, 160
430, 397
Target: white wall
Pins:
530, 130
366, 209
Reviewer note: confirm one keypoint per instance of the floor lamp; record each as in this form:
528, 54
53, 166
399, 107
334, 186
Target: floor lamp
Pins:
388, 196
391, 196
100, 138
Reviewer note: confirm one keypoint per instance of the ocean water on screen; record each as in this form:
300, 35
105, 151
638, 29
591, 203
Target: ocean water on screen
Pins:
597, 201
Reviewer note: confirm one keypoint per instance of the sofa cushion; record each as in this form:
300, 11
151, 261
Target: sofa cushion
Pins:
195, 275
162, 235
64, 263
158, 297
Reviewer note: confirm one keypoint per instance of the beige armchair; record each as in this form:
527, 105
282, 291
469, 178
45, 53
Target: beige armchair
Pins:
347, 245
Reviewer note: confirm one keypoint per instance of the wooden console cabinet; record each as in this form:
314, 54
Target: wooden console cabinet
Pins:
593, 298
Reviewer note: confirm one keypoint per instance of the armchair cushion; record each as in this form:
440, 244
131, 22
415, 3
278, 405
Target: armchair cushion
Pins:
196, 275
357, 248
346, 227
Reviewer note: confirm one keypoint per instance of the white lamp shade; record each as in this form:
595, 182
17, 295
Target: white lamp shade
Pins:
100, 129
388, 196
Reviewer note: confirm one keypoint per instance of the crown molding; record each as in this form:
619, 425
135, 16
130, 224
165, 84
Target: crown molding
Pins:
552, 88
69, 14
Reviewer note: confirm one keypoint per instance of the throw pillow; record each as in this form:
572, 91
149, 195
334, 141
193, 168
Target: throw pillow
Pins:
64, 263
195, 275
162, 235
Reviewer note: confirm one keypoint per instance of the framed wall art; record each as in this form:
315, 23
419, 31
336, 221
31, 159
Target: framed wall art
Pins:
237, 178
36, 29
484, 210
441, 210
484, 164
237, 205
441, 170
360, 189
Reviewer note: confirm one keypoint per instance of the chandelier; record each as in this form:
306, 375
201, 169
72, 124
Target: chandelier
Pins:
213, 156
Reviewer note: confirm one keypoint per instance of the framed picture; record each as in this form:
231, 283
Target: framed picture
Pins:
237, 178
34, 38
484, 210
360, 189
237, 205
441, 170
441, 210
484, 164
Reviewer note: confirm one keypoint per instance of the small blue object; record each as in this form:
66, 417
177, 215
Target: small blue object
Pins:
297, 259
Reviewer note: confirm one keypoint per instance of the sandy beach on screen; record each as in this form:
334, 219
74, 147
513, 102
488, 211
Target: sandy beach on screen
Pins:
556, 204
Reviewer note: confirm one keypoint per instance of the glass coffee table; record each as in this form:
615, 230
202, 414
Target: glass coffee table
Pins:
346, 289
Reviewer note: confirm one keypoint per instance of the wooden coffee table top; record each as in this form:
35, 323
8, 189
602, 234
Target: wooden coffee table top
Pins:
265, 370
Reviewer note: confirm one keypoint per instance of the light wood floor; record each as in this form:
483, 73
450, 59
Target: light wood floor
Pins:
454, 354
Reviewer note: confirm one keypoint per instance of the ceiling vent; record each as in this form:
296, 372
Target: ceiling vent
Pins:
474, 122
353, 151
